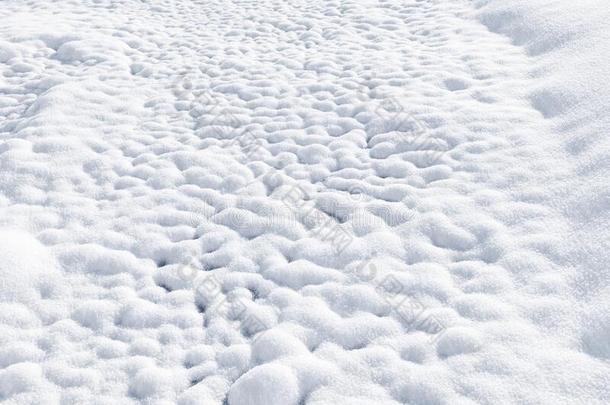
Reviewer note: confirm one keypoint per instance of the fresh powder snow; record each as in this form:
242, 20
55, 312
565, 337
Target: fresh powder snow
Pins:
286, 202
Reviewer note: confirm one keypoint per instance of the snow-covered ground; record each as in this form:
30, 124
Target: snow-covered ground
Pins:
304, 202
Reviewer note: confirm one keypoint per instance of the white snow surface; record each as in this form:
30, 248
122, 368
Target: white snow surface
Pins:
304, 202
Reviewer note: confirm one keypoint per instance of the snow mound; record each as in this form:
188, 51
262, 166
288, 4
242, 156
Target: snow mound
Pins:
28, 270
266, 384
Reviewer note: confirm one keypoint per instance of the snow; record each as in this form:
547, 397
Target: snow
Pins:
28, 271
254, 202
266, 384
